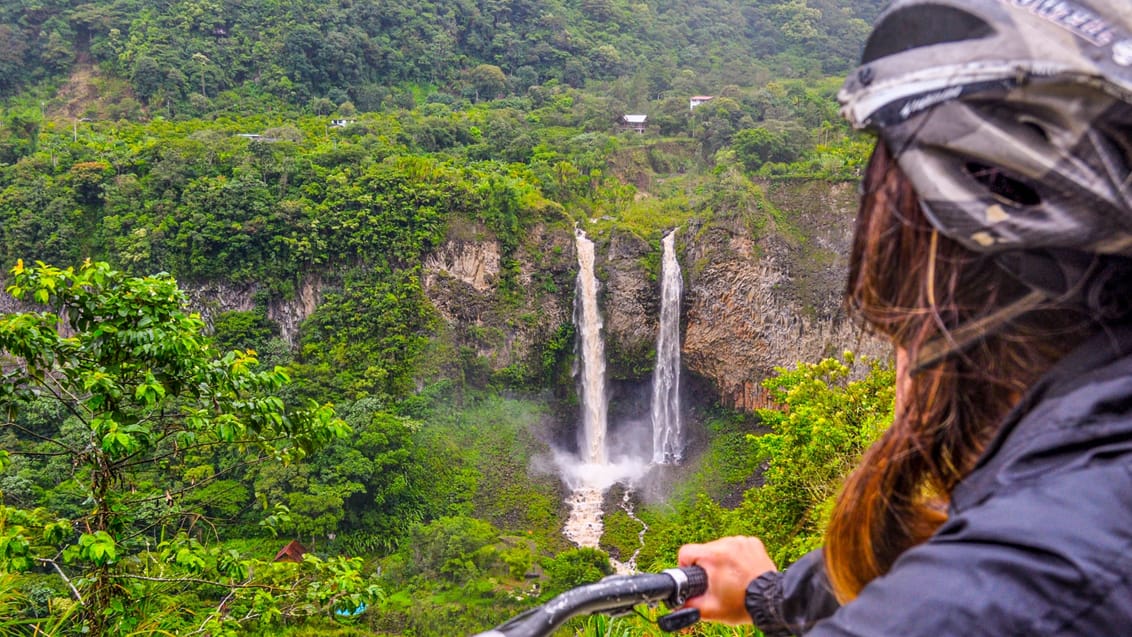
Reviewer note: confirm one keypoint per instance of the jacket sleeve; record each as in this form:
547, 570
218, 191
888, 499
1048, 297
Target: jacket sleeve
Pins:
1052, 557
791, 602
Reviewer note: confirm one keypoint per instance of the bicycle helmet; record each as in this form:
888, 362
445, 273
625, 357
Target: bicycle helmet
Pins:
1013, 121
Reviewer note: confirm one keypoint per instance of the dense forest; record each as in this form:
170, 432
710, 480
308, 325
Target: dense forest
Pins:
310, 54
159, 448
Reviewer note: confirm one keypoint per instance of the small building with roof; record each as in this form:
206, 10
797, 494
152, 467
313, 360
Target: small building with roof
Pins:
696, 100
293, 552
634, 122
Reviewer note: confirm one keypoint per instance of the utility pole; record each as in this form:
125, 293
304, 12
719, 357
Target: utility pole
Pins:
75, 128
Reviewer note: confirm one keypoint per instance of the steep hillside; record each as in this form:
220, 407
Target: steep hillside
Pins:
189, 56
377, 204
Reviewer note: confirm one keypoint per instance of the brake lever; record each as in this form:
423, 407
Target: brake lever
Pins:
678, 620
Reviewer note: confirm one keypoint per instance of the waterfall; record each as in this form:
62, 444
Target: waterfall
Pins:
667, 445
591, 356
592, 473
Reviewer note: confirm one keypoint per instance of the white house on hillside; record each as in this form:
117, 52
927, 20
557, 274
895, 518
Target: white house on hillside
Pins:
696, 100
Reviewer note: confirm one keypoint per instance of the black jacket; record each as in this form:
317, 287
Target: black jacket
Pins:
1039, 538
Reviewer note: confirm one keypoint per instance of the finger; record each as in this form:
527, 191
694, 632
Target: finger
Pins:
689, 554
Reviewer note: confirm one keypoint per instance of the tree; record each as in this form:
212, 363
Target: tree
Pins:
449, 547
714, 123
826, 422
757, 146
87, 178
148, 77
488, 80
203, 61
321, 106
574, 567
146, 401
19, 134
13, 48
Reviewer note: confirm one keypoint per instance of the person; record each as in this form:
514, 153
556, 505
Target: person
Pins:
992, 247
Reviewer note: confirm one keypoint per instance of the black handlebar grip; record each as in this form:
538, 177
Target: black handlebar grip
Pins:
697, 581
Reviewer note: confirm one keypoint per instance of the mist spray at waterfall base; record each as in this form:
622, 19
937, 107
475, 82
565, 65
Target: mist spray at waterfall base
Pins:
589, 481
588, 484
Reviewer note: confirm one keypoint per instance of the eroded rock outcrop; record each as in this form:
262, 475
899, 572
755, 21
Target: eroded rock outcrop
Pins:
213, 298
463, 279
289, 313
473, 263
631, 306
756, 303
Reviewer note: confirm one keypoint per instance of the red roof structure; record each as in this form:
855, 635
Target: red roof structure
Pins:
293, 552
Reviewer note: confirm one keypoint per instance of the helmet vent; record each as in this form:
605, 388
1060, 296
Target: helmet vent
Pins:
1119, 138
1004, 187
1037, 129
922, 25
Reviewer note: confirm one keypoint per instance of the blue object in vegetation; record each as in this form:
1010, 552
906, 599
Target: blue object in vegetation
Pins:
342, 612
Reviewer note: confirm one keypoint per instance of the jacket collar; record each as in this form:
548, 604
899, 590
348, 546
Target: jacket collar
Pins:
1091, 384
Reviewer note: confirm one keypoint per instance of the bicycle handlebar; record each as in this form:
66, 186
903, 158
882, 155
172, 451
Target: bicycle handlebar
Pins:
611, 595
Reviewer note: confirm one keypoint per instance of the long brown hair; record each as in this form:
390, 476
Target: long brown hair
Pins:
917, 287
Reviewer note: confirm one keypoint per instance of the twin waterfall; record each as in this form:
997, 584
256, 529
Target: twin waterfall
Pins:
667, 441
590, 475
591, 355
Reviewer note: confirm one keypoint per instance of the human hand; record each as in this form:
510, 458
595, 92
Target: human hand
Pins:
731, 564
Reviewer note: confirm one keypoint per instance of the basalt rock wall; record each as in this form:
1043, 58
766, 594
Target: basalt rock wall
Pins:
759, 302
753, 300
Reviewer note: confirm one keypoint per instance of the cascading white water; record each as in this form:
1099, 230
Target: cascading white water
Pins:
584, 525
667, 425
592, 473
591, 358
630, 565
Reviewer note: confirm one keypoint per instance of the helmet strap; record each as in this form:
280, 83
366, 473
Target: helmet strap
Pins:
1092, 284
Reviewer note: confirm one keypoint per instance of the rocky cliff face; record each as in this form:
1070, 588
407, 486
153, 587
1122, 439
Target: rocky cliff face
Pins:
463, 280
752, 303
213, 298
756, 303
631, 305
